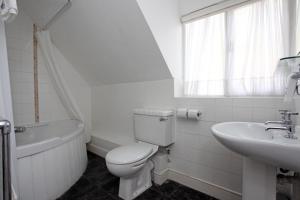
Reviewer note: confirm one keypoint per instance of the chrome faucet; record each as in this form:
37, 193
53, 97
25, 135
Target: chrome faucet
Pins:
283, 118
286, 122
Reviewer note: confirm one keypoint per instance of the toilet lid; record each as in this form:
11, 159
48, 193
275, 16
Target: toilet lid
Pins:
128, 154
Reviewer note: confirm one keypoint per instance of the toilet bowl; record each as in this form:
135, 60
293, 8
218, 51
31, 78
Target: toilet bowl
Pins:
132, 163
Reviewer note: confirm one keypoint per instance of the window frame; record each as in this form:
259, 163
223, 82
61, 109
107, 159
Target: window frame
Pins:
219, 7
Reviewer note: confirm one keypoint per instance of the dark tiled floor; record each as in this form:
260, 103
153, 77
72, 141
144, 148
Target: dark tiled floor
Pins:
98, 184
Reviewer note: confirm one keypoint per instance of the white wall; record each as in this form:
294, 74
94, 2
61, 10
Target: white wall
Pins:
113, 104
196, 152
20, 56
164, 21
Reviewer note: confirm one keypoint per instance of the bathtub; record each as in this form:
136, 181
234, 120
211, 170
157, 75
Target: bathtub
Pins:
51, 157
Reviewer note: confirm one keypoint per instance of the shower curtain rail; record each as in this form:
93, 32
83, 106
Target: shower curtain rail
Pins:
58, 14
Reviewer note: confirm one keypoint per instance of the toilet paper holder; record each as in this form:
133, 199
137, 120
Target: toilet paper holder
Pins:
188, 114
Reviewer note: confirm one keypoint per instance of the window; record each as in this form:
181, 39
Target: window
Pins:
205, 47
235, 52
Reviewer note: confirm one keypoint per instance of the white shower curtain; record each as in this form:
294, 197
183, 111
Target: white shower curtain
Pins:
57, 79
8, 10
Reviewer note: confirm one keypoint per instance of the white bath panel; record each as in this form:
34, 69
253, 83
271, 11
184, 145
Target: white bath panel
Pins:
25, 179
48, 174
39, 179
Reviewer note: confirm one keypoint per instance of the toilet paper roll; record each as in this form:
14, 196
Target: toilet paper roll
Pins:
194, 114
182, 113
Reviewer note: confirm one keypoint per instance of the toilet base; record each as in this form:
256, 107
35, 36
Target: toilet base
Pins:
133, 186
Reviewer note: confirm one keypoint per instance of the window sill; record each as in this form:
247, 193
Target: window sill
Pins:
231, 97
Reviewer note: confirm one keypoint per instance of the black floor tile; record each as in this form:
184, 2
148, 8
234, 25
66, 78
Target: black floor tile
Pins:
151, 194
98, 184
167, 189
98, 194
112, 186
184, 193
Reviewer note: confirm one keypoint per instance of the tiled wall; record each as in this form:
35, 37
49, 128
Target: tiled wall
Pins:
21, 71
195, 152
20, 57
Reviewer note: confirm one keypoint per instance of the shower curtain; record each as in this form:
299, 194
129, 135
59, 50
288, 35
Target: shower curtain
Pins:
57, 79
8, 10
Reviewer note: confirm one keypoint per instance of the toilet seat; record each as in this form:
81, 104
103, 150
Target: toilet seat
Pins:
129, 154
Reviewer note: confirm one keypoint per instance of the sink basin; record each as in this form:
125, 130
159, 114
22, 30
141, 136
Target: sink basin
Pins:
252, 141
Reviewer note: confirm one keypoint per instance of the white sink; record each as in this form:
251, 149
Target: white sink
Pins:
251, 140
263, 152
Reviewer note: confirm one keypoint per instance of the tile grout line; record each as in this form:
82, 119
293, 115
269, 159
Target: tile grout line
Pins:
35, 76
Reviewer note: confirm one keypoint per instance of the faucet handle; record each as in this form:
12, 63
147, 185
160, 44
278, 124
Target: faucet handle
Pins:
292, 113
289, 114
283, 114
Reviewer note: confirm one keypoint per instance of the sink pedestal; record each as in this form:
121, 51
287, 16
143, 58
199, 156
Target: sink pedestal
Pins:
259, 180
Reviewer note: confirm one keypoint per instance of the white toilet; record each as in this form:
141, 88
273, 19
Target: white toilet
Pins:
132, 163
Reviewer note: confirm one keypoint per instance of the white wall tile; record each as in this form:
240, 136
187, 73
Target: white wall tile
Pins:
20, 57
224, 102
195, 152
228, 180
262, 114
242, 102
224, 113
243, 114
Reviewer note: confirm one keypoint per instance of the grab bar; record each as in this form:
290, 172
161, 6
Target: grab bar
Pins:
5, 128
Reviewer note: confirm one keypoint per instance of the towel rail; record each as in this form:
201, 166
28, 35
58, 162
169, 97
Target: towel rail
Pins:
5, 128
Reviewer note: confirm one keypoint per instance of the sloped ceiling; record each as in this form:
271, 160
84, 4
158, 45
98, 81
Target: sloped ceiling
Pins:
107, 41
164, 21
41, 11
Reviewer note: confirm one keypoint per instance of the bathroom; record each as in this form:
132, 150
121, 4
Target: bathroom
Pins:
88, 84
